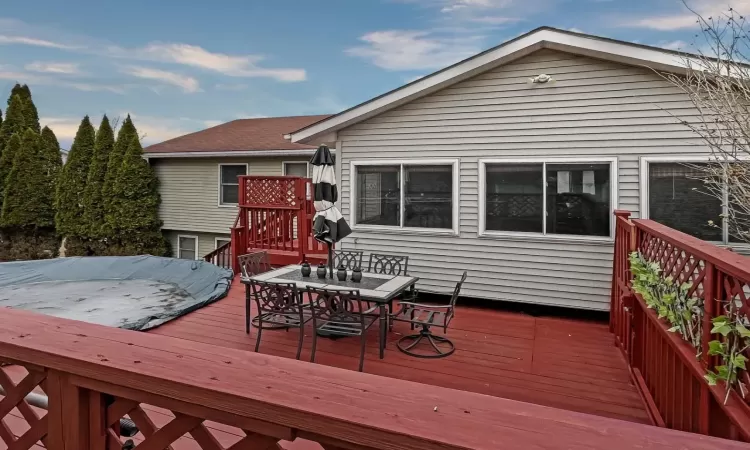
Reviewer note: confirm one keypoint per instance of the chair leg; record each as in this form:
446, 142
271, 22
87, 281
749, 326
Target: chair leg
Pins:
260, 331
301, 336
314, 344
363, 340
247, 315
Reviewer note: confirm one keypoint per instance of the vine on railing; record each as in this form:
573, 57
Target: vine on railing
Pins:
733, 369
670, 300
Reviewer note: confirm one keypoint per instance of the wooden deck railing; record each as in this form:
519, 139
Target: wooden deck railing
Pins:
221, 257
95, 375
663, 365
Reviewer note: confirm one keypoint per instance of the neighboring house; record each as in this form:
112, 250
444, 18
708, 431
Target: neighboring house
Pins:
198, 176
478, 167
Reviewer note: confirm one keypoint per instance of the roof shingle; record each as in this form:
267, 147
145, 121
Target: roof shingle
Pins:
240, 135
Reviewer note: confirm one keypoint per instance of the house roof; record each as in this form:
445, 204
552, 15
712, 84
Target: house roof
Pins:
543, 37
238, 138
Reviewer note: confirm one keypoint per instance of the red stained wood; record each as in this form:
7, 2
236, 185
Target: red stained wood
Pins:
353, 407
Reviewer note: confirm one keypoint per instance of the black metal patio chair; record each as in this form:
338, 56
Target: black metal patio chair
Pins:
341, 313
350, 259
426, 316
279, 305
382, 263
254, 263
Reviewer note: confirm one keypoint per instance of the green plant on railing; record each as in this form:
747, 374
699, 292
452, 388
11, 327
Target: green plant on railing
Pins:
670, 300
733, 327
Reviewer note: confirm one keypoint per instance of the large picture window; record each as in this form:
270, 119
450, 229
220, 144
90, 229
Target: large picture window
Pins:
675, 197
229, 183
553, 197
406, 195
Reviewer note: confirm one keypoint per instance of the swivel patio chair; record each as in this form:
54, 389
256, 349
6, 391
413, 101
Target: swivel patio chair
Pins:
426, 316
279, 306
339, 312
350, 259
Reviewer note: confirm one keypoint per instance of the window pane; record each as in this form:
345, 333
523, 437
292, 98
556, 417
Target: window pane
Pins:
229, 174
429, 196
186, 247
514, 197
378, 195
220, 242
673, 201
295, 169
230, 193
578, 199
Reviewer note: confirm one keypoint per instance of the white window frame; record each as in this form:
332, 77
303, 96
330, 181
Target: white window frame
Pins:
219, 202
453, 162
284, 163
187, 236
543, 235
643, 169
217, 239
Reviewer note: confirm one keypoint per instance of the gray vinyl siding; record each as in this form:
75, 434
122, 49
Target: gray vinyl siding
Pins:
594, 109
206, 241
189, 190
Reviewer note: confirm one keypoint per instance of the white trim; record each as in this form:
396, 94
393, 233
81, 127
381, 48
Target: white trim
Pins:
284, 163
543, 236
454, 162
592, 46
217, 239
187, 236
220, 165
227, 154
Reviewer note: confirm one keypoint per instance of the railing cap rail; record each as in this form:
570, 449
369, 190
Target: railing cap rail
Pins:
358, 408
727, 261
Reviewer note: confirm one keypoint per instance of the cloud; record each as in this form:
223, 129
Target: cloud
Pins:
494, 20
46, 80
23, 40
231, 65
54, 67
684, 18
184, 82
243, 65
412, 50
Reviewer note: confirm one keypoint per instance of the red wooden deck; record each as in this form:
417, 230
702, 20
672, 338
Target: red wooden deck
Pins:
563, 363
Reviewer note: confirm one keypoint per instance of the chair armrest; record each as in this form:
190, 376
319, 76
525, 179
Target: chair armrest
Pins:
421, 305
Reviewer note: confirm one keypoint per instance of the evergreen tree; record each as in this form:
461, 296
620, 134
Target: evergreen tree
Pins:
93, 205
6, 161
30, 113
14, 122
17, 90
27, 218
124, 137
51, 157
72, 183
136, 206
28, 201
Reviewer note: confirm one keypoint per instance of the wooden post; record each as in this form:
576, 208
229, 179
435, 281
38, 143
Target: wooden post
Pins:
710, 294
303, 225
69, 419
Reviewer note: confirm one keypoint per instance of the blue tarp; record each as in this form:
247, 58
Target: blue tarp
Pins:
132, 292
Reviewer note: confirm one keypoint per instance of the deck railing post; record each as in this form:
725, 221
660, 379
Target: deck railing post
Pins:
710, 294
71, 424
303, 225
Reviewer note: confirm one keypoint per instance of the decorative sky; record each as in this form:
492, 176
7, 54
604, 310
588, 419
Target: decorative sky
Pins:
180, 66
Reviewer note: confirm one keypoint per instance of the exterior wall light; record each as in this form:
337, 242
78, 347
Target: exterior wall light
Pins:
541, 79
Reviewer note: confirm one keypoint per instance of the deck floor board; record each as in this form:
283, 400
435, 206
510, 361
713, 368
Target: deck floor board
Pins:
564, 363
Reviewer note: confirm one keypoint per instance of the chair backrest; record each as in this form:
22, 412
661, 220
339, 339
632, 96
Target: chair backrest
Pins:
254, 263
350, 259
388, 264
337, 305
276, 297
457, 289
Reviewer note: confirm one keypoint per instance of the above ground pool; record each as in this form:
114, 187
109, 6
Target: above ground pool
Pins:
132, 292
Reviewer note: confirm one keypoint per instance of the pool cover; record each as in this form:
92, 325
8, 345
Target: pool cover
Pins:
132, 292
